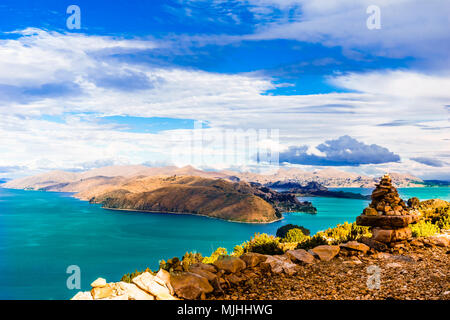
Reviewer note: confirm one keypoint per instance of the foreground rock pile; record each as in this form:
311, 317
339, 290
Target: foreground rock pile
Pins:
203, 279
297, 274
388, 215
420, 272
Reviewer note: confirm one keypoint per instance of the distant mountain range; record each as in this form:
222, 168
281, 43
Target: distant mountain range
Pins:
330, 178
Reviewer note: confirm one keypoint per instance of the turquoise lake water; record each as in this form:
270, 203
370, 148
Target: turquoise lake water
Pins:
42, 233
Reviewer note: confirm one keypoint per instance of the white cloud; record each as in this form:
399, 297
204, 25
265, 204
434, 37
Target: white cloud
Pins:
408, 27
397, 84
416, 101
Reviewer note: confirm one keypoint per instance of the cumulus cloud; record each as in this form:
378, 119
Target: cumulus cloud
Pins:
344, 151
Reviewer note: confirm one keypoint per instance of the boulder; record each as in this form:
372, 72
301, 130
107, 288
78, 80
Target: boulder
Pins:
153, 285
279, 264
133, 292
370, 211
300, 256
230, 264
417, 243
252, 259
102, 292
377, 245
189, 285
326, 252
164, 276
234, 278
100, 282
442, 240
205, 266
391, 221
388, 236
82, 296
356, 246
202, 272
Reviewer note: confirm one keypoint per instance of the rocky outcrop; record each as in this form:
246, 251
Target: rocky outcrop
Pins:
326, 252
188, 285
281, 201
355, 246
388, 215
230, 264
300, 256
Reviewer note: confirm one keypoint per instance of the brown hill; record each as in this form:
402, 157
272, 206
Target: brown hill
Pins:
195, 195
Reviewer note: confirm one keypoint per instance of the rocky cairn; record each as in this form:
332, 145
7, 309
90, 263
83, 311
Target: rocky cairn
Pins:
388, 216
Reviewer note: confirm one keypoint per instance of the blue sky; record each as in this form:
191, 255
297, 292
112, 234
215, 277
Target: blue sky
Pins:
139, 73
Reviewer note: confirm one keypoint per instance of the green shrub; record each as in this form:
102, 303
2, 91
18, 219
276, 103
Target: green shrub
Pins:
191, 258
260, 243
341, 233
311, 242
215, 255
175, 264
424, 229
438, 216
294, 235
282, 231
345, 232
238, 250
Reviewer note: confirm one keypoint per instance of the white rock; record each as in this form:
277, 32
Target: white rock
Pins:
133, 292
100, 282
82, 296
146, 281
164, 276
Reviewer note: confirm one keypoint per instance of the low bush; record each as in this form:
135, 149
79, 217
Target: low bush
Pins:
175, 264
311, 242
345, 232
436, 215
294, 235
424, 229
215, 255
282, 231
260, 243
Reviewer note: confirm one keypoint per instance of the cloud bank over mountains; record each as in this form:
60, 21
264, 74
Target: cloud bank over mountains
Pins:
344, 151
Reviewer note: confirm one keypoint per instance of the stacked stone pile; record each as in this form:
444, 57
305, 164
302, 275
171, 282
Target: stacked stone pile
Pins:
388, 215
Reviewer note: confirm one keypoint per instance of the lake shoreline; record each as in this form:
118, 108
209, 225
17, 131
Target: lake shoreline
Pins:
191, 214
